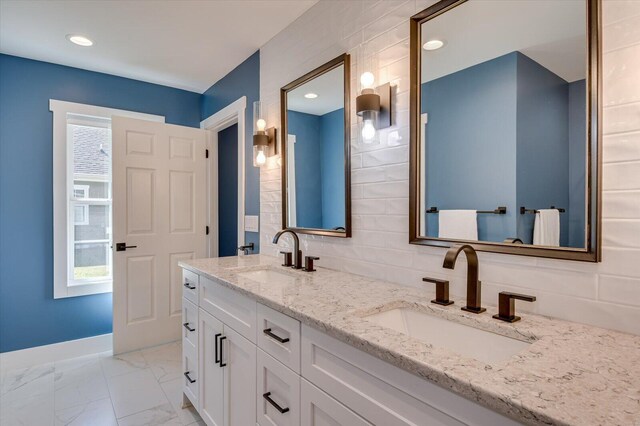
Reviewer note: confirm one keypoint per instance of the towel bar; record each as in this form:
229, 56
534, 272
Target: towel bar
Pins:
524, 210
499, 210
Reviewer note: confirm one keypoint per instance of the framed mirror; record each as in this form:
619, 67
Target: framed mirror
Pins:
505, 127
316, 170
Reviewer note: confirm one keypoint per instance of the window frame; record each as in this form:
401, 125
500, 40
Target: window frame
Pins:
64, 284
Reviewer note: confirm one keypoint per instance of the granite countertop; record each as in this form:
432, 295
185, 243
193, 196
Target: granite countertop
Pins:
570, 374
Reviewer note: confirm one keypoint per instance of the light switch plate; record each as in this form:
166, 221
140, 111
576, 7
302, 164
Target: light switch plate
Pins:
251, 224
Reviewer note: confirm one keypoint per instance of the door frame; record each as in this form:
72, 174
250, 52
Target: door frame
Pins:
233, 113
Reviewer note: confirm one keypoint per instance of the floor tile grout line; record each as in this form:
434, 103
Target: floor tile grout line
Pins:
106, 379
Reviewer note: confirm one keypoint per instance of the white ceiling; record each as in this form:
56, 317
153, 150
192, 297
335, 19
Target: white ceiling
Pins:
551, 32
185, 44
330, 90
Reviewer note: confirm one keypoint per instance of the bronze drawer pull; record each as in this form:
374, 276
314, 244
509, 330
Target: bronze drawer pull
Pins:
189, 377
267, 396
268, 332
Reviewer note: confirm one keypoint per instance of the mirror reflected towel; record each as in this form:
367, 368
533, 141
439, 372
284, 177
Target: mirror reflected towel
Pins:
546, 229
458, 224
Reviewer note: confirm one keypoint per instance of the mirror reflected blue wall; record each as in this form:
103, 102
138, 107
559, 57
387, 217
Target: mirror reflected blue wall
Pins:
503, 123
319, 168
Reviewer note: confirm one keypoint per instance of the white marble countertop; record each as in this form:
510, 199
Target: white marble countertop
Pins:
571, 374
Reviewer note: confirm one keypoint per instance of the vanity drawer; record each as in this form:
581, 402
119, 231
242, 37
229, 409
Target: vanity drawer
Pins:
190, 284
190, 377
230, 307
318, 408
189, 325
279, 336
278, 395
382, 393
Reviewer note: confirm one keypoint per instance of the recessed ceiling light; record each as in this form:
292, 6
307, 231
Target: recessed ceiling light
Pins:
433, 44
79, 40
311, 95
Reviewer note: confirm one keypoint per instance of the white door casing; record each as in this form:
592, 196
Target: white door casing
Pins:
159, 206
233, 113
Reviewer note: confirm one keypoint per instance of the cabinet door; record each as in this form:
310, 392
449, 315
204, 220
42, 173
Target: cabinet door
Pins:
239, 355
211, 373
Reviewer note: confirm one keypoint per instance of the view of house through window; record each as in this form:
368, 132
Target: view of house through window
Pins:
90, 200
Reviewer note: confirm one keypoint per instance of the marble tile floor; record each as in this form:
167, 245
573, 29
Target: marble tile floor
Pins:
133, 389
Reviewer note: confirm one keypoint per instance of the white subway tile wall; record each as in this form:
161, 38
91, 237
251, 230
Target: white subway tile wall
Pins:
605, 294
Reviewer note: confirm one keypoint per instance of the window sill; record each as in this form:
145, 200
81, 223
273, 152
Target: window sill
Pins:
77, 290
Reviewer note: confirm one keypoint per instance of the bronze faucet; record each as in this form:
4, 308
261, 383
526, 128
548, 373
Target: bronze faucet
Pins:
473, 284
297, 263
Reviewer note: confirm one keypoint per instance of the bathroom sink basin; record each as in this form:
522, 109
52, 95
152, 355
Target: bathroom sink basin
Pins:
467, 341
268, 276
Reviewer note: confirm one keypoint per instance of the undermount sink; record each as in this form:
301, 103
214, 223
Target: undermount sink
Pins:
268, 276
467, 341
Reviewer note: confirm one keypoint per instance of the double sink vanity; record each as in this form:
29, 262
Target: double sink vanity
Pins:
270, 345
504, 110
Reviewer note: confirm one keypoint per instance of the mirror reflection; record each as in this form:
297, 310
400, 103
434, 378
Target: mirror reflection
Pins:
503, 141
315, 160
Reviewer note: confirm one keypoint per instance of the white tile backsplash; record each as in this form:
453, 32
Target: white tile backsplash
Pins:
605, 294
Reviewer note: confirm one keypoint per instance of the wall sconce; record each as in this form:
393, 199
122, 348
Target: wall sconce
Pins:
373, 104
264, 140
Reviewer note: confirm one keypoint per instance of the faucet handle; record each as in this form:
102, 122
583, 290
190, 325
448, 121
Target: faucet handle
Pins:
288, 258
442, 291
308, 263
507, 305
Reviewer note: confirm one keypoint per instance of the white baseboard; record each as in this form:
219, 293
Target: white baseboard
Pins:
58, 351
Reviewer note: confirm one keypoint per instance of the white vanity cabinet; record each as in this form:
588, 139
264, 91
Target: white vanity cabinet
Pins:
227, 372
253, 365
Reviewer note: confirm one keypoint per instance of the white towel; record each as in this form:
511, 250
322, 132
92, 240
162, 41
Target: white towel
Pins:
458, 224
546, 229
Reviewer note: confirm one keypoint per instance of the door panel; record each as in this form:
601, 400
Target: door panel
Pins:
181, 199
159, 206
140, 200
141, 279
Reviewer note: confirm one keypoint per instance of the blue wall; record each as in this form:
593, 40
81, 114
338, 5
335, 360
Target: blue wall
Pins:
228, 191
306, 128
506, 132
543, 144
29, 316
470, 153
320, 188
577, 167
244, 80
332, 151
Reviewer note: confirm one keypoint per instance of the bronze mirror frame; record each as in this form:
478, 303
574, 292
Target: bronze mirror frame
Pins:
592, 251
342, 60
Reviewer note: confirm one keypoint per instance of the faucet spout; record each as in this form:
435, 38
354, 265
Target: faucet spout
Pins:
297, 263
473, 283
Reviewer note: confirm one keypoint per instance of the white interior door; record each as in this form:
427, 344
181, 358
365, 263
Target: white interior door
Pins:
159, 213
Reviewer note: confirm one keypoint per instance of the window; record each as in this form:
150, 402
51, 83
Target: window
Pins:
83, 259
